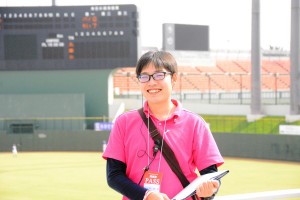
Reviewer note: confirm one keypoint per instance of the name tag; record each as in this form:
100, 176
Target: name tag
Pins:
152, 181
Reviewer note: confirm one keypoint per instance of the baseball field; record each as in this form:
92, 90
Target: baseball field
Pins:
81, 175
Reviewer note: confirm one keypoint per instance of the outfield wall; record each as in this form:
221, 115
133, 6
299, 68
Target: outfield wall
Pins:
262, 146
273, 147
54, 141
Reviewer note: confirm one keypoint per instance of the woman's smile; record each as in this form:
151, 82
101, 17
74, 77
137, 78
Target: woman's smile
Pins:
153, 91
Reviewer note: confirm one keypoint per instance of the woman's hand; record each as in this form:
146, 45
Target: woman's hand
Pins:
157, 196
208, 188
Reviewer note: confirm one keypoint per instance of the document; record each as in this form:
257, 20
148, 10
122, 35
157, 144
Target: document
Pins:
191, 188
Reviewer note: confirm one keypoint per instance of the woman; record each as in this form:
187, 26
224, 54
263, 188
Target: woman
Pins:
135, 167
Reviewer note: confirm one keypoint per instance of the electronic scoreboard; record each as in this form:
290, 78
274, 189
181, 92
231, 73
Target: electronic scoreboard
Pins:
68, 37
185, 37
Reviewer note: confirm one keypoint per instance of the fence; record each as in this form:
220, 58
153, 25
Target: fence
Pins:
218, 124
31, 125
239, 124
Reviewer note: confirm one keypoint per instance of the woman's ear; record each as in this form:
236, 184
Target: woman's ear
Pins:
174, 79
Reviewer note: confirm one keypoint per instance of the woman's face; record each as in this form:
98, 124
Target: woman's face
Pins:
157, 91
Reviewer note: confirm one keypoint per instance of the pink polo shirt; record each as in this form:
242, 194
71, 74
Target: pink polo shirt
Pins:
187, 134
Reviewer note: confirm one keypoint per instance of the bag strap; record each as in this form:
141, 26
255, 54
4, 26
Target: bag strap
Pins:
167, 151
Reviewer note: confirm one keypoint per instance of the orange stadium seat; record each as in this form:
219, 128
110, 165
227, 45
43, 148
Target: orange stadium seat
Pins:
230, 66
285, 64
273, 67
244, 64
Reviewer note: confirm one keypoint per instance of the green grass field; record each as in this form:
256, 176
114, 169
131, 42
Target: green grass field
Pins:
239, 124
77, 176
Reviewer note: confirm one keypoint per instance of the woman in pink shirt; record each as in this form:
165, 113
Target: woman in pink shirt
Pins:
135, 165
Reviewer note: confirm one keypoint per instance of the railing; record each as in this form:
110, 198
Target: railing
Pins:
212, 88
279, 194
239, 124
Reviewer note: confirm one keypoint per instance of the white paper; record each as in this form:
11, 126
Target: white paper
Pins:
191, 188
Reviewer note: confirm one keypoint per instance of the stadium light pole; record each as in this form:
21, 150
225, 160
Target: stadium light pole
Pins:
295, 63
256, 63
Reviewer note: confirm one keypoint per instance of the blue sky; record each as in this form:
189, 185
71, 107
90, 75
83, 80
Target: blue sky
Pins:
229, 20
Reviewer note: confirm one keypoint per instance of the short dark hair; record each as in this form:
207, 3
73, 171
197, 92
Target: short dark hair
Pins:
160, 59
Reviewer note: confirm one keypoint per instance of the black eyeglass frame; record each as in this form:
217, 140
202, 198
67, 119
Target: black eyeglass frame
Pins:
153, 76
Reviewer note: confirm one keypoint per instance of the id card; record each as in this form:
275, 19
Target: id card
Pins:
152, 181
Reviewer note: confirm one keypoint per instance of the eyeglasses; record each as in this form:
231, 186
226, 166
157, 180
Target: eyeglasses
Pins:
143, 78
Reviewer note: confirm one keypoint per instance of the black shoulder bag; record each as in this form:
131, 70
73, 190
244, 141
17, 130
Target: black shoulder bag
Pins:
167, 151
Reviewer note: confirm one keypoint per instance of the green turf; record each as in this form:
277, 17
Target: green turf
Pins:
249, 175
239, 124
77, 176
54, 176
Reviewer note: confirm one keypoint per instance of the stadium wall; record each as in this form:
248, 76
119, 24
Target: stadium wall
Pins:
54, 141
93, 84
31, 110
271, 147
262, 146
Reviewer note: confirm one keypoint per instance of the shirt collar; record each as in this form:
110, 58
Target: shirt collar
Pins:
176, 113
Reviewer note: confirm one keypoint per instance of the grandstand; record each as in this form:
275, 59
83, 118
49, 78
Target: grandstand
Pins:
227, 76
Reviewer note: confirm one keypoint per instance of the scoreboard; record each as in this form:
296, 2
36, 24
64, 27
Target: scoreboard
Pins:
68, 37
185, 37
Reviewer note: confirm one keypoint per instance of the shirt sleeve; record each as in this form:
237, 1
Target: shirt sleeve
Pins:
206, 150
210, 169
117, 180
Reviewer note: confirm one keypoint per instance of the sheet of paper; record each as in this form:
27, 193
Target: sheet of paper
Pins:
191, 188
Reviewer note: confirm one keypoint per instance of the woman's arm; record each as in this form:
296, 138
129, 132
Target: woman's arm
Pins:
117, 179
